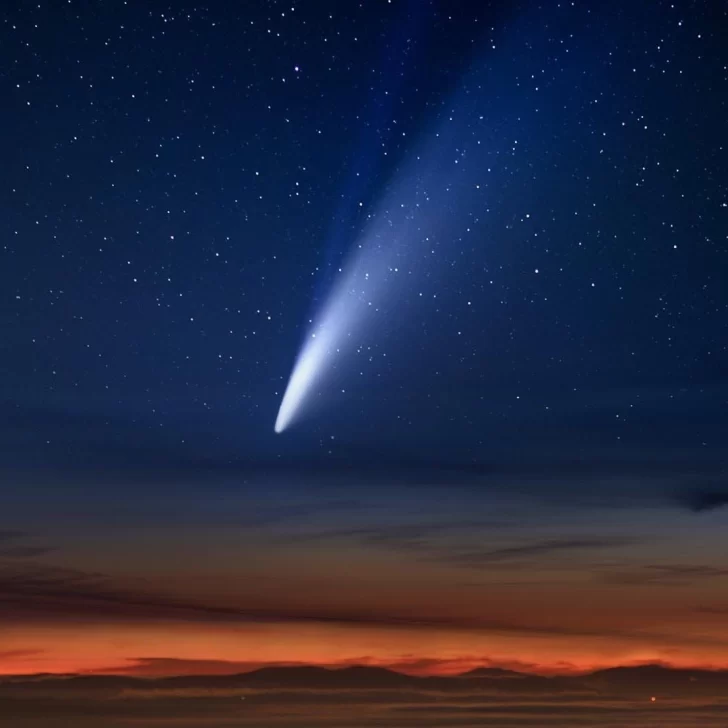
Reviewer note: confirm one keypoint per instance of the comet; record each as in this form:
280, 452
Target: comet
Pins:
405, 244
387, 270
356, 295
386, 266
307, 371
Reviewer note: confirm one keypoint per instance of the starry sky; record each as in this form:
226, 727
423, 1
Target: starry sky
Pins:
519, 458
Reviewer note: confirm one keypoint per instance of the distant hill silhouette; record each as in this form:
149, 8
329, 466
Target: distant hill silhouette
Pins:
356, 677
660, 680
641, 681
493, 673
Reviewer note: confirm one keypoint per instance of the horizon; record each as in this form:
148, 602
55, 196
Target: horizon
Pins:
399, 670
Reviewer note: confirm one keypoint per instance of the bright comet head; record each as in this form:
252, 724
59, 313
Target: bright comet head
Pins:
306, 372
303, 376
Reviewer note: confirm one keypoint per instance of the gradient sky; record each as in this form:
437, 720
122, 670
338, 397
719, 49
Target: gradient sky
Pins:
521, 460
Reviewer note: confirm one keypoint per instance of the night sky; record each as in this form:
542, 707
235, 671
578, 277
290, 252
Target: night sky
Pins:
516, 457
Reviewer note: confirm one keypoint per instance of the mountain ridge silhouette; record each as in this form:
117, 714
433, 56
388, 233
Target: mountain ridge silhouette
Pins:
627, 680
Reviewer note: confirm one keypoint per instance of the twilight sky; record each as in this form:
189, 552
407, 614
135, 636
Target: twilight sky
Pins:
518, 456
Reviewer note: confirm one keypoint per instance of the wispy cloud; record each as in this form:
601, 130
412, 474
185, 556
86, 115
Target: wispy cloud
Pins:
16, 654
456, 541
23, 552
400, 536
702, 499
19, 551
161, 666
665, 574
530, 551
30, 591
8, 535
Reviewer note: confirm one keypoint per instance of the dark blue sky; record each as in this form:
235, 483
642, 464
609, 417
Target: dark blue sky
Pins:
175, 190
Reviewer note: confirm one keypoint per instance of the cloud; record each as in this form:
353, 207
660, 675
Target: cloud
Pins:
23, 552
273, 515
701, 499
400, 536
666, 574
719, 611
163, 666
31, 591
452, 541
7, 535
529, 551
19, 551
34, 589
18, 654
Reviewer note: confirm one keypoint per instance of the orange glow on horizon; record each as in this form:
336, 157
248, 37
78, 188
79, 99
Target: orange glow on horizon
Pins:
157, 650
